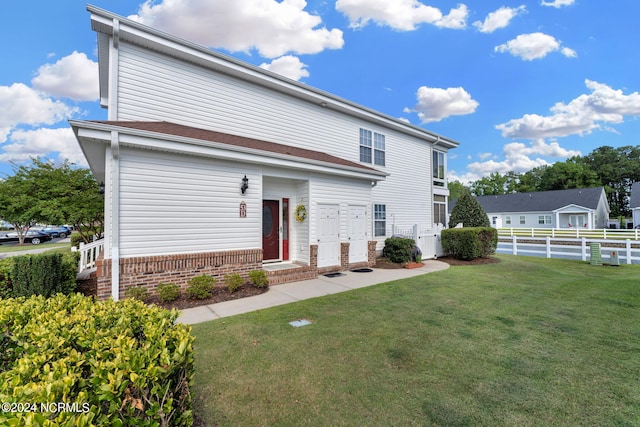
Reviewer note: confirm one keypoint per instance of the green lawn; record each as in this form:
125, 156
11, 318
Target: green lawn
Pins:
527, 341
28, 246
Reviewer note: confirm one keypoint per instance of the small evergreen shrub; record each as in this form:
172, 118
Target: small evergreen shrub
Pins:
6, 290
121, 363
233, 281
469, 242
399, 249
259, 278
44, 274
168, 291
137, 292
468, 212
200, 287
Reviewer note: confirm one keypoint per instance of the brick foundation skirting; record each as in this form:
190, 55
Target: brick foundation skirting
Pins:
149, 271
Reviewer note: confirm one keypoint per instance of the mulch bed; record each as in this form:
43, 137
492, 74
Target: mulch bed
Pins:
219, 294
477, 261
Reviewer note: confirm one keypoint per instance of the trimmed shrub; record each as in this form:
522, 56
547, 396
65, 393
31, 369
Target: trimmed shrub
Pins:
44, 274
120, 363
233, 281
168, 291
259, 278
200, 287
399, 249
469, 242
137, 292
469, 212
6, 290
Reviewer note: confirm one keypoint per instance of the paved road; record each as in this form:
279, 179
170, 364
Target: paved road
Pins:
37, 249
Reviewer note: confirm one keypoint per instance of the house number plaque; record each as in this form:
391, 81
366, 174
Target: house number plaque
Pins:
243, 210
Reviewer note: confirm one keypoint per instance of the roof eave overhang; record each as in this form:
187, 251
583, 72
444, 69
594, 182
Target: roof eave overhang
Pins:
94, 136
102, 22
568, 208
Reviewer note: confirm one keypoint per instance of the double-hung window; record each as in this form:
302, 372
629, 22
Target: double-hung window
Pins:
365, 146
372, 147
438, 168
379, 220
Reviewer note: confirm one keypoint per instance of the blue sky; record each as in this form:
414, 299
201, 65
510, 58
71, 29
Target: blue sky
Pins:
518, 83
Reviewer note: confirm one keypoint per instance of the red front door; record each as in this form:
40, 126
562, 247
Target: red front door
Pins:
270, 230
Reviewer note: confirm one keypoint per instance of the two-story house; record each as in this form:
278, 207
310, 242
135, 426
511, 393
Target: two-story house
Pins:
211, 165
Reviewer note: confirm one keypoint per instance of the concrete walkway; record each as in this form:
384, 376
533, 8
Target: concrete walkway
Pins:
297, 291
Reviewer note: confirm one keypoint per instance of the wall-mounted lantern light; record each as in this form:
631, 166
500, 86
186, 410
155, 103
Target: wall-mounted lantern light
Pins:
245, 184
101, 187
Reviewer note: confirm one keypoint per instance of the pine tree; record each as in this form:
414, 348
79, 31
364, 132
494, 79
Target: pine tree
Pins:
468, 212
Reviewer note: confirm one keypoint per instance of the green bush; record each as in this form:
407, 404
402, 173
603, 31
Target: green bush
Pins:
121, 363
468, 212
137, 292
168, 291
469, 242
233, 281
399, 249
44, 274
6, 290
259, 278
76, 239
200, 287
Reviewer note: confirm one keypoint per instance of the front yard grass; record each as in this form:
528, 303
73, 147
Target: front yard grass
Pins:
527, 341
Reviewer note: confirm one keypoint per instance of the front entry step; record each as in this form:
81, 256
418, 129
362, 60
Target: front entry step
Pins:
286, 273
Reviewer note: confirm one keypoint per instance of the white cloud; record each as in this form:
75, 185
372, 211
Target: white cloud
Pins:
580, 116
568, 52
499, 19
288, 66
533, 46
485, 156
272, 27
557, 3
403, 15
42, 142
435, 104
519, 157
22, 105
74, 76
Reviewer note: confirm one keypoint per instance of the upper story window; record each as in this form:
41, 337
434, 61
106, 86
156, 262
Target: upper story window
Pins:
438, 167
372, 147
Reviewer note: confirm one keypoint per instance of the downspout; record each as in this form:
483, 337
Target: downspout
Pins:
115, 163
115, 216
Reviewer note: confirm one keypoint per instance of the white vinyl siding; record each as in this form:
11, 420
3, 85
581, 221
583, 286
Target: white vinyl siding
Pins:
156, 87
178, 204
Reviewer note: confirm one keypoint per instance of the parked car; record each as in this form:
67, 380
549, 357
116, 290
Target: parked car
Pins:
32, 236
61, 232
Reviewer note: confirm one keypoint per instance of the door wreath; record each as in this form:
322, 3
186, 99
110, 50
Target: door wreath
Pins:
301, 213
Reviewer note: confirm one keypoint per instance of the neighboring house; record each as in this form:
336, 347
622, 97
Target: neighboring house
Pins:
634, 204
576, 208
211, 165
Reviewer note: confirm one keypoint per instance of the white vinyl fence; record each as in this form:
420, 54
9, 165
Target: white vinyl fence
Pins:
428, 240
627, 251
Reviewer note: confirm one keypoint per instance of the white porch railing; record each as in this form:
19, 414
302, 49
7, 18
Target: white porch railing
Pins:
428, 240
570, 248
89, 252
577, 233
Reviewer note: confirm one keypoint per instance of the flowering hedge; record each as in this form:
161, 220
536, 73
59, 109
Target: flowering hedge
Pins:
70, 361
